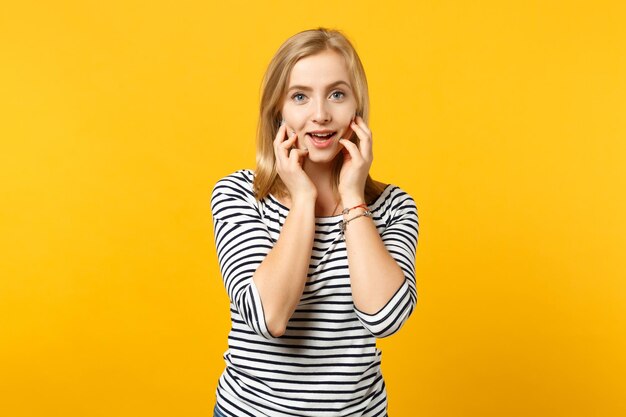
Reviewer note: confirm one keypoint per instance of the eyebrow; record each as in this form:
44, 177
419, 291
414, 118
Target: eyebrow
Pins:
331, 85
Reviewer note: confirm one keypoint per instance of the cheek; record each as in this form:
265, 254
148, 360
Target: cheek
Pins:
346, 118
347, 114
293, 118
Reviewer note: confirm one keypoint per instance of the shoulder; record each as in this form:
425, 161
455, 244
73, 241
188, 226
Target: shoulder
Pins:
395, 201
400, 196
234, 192
392, 194
239, 183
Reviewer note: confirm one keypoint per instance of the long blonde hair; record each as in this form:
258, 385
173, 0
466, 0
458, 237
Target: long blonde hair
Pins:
274, 89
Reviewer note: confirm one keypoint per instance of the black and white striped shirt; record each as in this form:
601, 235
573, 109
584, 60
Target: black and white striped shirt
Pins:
326, 364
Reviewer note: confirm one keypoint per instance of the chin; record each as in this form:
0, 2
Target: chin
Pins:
322, 159
325, 155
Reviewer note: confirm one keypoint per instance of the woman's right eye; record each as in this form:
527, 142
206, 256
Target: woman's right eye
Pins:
298, 97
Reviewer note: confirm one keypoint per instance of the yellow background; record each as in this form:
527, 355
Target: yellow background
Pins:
506, 121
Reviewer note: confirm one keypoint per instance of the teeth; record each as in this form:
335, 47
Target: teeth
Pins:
319, 135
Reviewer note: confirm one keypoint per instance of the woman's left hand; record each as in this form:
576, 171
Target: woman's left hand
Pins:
357, 161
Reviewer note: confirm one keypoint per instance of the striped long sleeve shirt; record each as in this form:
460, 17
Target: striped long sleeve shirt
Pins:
326, 363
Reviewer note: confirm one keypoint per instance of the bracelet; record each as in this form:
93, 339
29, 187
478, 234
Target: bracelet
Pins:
346, 211
344, 224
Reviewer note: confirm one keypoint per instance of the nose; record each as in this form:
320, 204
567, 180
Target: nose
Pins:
321, 113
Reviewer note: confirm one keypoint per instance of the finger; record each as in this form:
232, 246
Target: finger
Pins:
281, 153
365, 139
280, 135
288, 144
361, 129
297, 155
361, 123
297, 158
351, 148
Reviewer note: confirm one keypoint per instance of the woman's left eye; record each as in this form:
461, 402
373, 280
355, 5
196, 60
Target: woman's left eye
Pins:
337, 95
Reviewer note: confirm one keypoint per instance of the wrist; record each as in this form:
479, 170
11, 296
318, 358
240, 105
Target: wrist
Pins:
304, 200
354, 209
351, 200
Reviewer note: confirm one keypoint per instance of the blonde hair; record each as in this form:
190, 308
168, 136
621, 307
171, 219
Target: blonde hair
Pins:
273, 90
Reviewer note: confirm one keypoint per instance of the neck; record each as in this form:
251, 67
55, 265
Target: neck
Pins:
322, 176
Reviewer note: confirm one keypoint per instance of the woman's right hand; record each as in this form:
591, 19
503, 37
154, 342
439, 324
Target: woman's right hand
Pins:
289, 163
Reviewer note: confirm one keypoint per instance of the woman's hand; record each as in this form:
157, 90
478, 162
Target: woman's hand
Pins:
357, 161
289, 162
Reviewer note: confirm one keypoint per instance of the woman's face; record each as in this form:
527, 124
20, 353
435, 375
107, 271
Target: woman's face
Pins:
320, 104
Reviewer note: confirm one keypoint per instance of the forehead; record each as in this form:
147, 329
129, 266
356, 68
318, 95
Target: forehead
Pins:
320, 69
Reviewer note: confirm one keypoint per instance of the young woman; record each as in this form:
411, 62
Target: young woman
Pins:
317, 258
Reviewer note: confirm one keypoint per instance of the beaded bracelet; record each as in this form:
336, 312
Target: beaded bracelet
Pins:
344, 224
346, 211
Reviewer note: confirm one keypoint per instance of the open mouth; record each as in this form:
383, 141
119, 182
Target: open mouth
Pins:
321, 139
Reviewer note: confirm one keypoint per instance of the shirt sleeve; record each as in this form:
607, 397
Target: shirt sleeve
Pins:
242, 241
400, 238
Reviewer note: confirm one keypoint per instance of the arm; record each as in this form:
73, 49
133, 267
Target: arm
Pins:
369, 260
263, 288
382, 268
242, 242
282, 275
274, 278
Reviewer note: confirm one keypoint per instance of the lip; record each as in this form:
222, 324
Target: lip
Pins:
319, 143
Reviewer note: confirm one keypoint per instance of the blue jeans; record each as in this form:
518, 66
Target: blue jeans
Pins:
217, 412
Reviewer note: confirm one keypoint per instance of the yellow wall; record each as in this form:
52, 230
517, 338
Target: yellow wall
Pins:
506, 120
